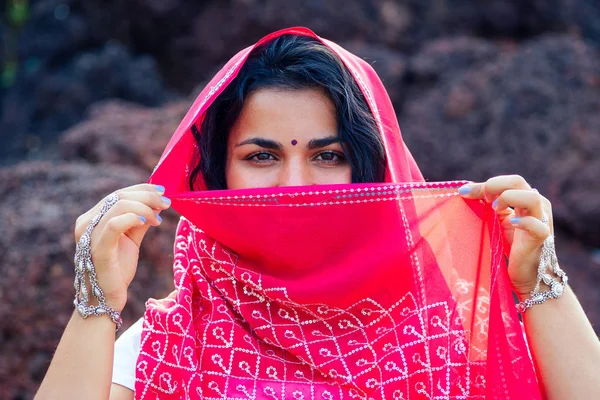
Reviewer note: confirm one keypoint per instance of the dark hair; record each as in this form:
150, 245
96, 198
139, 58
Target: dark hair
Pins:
292, 62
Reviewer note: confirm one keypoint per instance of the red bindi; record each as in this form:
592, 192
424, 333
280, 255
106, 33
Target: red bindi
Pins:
294, 142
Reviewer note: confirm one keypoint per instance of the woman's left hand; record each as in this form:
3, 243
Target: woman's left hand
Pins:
522, 226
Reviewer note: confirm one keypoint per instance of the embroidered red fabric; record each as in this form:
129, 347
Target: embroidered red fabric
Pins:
394, 290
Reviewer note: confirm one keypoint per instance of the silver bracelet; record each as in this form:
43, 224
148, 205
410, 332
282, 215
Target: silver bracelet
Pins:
84, 264
557, 288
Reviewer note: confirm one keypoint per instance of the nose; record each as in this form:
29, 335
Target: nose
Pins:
295, 174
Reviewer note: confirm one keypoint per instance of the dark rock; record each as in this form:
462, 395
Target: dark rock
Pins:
55, 29
583, 269
46, 101
40, 203
189, 30
3, 47
65, 39
534, 112
248, 20
439, 59
194, 37
121, 133
390, 65
503, 19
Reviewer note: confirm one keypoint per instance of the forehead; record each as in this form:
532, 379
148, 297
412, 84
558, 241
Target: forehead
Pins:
275, 112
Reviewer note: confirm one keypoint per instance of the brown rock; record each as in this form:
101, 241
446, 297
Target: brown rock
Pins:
123, 133
535, 112
443, 57
583, 269
40, 203
390, 65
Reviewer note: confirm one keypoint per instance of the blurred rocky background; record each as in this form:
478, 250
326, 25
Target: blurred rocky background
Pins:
91, 91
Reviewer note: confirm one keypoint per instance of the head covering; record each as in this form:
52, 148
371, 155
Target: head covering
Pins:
390, 290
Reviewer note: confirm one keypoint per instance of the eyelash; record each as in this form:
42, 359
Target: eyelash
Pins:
340, 156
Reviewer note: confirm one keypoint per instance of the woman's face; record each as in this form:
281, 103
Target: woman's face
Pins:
286, 138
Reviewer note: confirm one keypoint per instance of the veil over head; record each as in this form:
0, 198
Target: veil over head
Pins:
395, 290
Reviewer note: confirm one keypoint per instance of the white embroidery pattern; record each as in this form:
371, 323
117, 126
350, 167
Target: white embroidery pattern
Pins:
359, 352
376, 193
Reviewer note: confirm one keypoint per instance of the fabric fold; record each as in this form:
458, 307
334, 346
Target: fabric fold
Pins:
417, 306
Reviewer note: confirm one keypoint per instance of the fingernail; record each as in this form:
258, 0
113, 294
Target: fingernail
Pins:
143, 219
464, 189
166, 200
515, 220
495, 203
159, 188
159, 218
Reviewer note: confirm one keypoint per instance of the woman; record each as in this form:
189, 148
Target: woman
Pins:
350, 288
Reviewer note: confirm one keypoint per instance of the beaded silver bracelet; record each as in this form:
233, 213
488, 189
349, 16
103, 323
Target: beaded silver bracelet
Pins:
84, 266
557, 288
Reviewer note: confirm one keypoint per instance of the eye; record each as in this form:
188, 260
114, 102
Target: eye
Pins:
330, 157
261, 157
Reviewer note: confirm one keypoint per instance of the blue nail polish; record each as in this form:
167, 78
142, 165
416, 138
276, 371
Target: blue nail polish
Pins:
143, 219
166, 200
495, 203
159, 188
464, 189
159, 218
515, 220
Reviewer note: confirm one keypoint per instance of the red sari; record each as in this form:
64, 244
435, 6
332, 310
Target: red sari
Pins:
394, 290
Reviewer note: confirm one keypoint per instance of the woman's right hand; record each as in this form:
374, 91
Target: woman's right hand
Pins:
116, 240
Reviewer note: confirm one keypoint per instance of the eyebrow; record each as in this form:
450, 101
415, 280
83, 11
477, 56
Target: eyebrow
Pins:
266, 143
271, 144
318, 143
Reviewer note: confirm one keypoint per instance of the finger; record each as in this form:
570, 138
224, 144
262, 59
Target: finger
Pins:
124, 206
145, 194
116, 226
547, 203
533, 226
124, 192
493, 187
137, 234
142, 187
153, 200
527, 202
145, 187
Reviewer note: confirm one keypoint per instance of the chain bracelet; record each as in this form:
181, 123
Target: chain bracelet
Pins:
557, 288
84, 265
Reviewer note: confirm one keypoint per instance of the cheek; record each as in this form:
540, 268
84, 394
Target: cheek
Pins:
232, 175
341, 175
348, 175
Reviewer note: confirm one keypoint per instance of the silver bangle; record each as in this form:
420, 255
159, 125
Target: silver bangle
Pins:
557, 288
84, 264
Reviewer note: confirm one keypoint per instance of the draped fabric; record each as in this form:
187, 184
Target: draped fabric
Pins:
391, 290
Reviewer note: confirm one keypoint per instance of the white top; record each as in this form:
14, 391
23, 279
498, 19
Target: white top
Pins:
127, 349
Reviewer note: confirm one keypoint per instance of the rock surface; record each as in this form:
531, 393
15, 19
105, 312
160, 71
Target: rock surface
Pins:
40, 203
47, 99
69, 54
122, 133
534, 112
